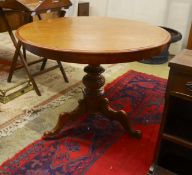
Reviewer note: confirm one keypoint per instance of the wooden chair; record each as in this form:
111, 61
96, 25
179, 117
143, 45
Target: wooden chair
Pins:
14, 14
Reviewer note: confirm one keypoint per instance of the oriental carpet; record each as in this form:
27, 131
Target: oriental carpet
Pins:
96, 146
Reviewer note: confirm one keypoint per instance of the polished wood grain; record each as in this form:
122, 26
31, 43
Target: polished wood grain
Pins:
92, 40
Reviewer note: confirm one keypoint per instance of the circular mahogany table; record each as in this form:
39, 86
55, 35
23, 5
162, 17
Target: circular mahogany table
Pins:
93, 41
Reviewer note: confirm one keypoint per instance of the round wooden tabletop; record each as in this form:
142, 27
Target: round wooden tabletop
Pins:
93, 40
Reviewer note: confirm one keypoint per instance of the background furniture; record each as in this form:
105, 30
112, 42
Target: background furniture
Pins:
83, 8
93, 41
175, 140
189, 45
24, 10
16, 13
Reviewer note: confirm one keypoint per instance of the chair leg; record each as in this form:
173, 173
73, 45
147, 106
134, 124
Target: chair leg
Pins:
39, 17
14, 62
29, 74
62, 71
43, 64
24, 53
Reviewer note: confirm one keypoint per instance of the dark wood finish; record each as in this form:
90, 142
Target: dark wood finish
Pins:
6, 23
17, 11
26, 65
174, 151
8, 27
31, 63
93, 102
13, 4
189, 45
83, 9
93, 41
15, 18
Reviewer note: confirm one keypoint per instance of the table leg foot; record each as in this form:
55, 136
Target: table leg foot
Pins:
63, 119
120, 116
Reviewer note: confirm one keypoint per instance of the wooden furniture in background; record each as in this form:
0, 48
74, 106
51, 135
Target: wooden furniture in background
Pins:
189, 46
83, 8
15, 13
174, 151
93, 41
28, 8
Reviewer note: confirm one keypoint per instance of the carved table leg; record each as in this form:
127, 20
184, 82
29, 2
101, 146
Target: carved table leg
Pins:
120, 116
94, 102
65, 118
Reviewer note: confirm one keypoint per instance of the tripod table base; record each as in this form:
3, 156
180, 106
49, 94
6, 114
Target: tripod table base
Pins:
94, 102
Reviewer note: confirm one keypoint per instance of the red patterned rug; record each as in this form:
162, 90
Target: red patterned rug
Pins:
97, 146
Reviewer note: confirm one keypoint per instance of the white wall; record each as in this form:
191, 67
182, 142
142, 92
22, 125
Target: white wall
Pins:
179, 17
72, 11
143, 10
176, 14
98, 7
